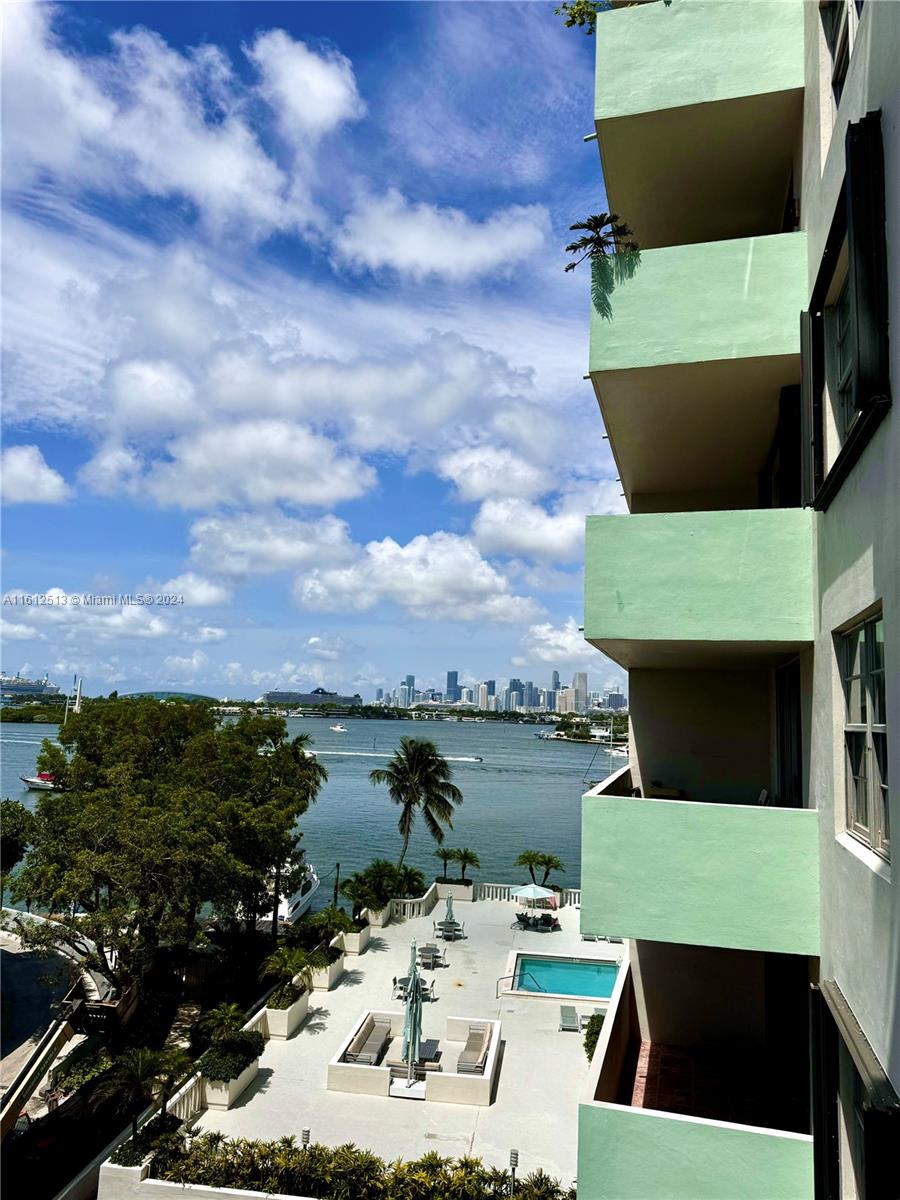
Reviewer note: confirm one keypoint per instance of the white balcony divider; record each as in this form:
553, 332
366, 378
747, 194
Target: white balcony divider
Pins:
420, 906
495, 891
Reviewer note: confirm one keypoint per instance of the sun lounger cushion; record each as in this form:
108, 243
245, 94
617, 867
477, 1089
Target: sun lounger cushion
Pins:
369, 1042
473, 1055
568, 1018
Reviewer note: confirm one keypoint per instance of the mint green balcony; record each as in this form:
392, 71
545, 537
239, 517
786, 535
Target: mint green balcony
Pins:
689, 371
740, 876
698, 111
699, 588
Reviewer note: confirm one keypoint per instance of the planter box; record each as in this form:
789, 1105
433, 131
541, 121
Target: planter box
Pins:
283, 1021
223, 1093
379, 919
116, 1181
356, 942
458, 891
325, 979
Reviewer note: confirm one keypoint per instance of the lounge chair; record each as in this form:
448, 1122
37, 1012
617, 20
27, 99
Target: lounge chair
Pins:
568, 1019
398, 992
369, 1043
474, 1054
523, 921
585, 1018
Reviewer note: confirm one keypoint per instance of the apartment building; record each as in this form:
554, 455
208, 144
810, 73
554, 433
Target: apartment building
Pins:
752, 1047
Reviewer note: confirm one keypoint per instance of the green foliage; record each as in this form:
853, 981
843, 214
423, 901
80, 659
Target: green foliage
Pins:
149, 1137
538, 860
466, 858
339, 1173
32, 714
16, 834
161, 813
592, 1033
582, 13
445, 856
229, 1055
418, 779
226, 1018
379, 883
332, 921
614, 256
134, 1077
71, 1076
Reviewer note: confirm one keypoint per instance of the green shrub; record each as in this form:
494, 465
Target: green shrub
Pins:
229, 1055
284, 996
133, 1152
71, 1076
592, 1033
339, 1172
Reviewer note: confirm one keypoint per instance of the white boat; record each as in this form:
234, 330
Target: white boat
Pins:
292, 908
338, 728
42, 782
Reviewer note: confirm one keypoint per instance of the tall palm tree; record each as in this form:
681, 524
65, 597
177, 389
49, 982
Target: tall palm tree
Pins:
445, 856
224, 1019
532, 860
465, 858
289, 965
418, 778
174, 1066
135, 1076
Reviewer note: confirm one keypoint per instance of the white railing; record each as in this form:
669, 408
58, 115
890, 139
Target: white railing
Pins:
571, 896
189, 1099
421, 906
258, 1023
494, 891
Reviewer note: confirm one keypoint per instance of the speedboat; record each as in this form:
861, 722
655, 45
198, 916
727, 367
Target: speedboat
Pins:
43, 781
338, 728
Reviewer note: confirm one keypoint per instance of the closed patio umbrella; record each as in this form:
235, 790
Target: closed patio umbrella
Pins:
448, 916
412, 1020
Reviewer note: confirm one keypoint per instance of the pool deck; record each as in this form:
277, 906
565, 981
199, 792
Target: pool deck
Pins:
535, 1107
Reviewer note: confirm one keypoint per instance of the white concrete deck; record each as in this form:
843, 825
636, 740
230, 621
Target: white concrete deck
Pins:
541, 1073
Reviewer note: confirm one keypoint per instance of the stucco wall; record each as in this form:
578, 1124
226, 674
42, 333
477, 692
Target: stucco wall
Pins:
858, 563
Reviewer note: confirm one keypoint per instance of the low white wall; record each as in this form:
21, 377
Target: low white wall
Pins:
222, 1093
355, 942
378, 919
457, 890
324, 980
117, 1188
448, 1087
283, 1021
356, 1077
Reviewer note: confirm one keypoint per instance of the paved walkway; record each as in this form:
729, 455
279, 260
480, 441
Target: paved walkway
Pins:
541, 1074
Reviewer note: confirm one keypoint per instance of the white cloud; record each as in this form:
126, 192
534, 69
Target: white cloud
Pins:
186, 667
421, 240
113, 469
562, 645
440, 576
257, 544
197, 591
311, 92
254, 463
482, 471
67, 620
518, 527
330, 647
27, 478
151, 397
210, 633
15, 631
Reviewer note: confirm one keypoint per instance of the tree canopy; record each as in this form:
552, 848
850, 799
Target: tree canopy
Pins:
162, 812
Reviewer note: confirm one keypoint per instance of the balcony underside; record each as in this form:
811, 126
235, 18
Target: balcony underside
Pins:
701, 427
703, 172
633, 653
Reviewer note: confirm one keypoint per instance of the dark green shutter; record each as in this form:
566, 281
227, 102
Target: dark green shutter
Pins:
811, 448
867, 261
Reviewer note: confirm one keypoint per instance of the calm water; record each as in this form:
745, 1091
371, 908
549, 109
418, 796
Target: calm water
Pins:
525, 794
567, 978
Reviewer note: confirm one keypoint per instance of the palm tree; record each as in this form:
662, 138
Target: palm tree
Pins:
222, 1020
539, 860
613, 253
445, 856
465, 858
175, 1065
135, 1076
418, 779
291, 966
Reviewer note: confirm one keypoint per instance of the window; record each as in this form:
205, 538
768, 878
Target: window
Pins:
844, 336
865, 734
840, 19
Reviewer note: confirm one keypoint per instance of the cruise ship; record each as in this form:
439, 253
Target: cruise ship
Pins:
18, 687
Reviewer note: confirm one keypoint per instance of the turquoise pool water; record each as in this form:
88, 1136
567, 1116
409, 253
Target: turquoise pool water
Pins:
566, 976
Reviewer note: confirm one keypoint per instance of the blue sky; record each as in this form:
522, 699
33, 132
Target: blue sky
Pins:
287, 333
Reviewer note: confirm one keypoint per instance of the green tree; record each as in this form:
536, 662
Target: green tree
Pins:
446, 856
16, 833
613, 253
418, 779
466, 858
379, 883
582, 13
538, 860
291, 967
134, 1078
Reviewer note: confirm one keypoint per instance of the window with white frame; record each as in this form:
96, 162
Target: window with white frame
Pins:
865, 734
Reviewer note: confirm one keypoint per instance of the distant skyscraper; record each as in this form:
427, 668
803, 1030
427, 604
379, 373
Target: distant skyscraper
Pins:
554, 681
491, 685
405, 696
483, 695
451, 693
410, 682
379, 694
616, 700
466, 695
580, 687
565, 700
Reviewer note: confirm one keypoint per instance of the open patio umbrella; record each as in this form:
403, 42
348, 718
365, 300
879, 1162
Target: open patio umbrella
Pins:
530, 893
448, 916
412, 1020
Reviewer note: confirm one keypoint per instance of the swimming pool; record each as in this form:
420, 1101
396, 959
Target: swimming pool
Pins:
566, 976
